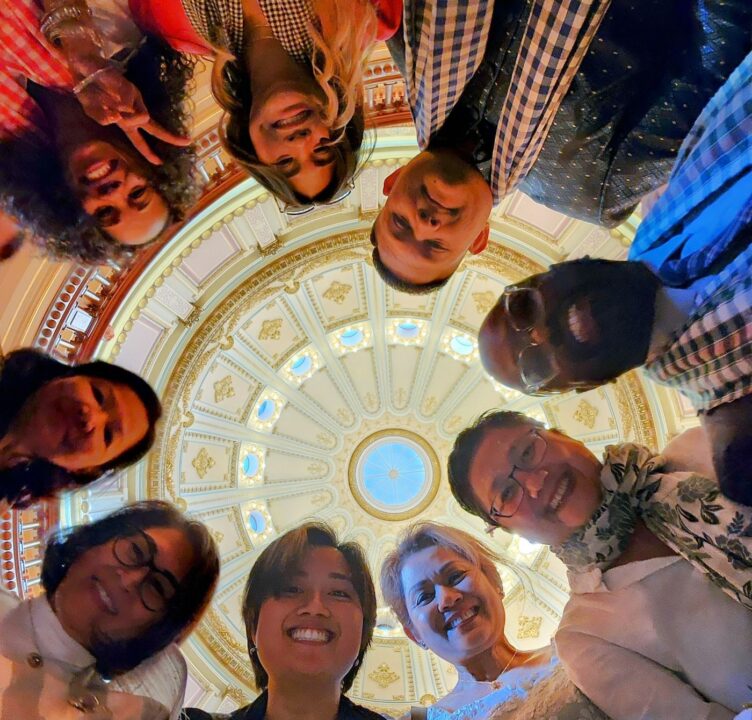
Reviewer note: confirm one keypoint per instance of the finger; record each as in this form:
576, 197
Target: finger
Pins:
142, 146
159, 132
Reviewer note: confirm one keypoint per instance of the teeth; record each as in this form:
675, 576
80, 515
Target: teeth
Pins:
575, 325
105, 598
98, 170
559, 495
471, 612
310, 635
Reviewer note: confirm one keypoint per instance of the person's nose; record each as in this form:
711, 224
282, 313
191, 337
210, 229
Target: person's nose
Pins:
446, 598
132, 577
532, 480
92, 417
314, 604
428, 217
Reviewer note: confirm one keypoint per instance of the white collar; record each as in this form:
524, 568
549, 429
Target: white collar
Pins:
51, 639
619, 577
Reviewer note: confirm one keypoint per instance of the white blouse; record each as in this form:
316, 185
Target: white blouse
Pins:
657, 640
31, 632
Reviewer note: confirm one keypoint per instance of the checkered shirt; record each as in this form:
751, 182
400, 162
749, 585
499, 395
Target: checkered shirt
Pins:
220, 22
25, 53
708, 200
445, 42
710, 358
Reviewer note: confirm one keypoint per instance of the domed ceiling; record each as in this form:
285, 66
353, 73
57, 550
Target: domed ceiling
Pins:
297, 386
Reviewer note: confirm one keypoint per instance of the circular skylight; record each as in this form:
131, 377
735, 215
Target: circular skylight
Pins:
462, 345
266, 410
351, 337
394, 474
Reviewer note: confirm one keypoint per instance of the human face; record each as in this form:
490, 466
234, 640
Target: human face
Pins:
561, 493
110, 592
313, 628
453, 608
587, 322
288, 133
80, 422
436, 210
114, 187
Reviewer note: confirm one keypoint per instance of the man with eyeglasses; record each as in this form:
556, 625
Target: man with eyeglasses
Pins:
660, 568
681, 307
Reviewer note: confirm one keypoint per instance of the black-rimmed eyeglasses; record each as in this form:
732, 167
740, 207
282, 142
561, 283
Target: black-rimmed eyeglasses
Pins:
137, 549
526, 453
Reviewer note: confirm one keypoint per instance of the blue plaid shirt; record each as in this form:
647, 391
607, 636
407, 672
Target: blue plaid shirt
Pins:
708, 202
445, 41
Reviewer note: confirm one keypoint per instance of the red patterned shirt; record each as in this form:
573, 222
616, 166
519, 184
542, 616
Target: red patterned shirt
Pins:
25, 53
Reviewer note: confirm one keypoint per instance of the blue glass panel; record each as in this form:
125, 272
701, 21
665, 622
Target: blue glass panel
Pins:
266, 410
407, 329
302, 365
250, 465
351, 337
393, 473
462, 345
256, 521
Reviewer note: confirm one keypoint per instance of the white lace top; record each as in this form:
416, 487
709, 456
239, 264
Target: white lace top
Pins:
523, 693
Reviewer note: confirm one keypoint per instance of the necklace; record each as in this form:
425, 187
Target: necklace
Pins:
496, 683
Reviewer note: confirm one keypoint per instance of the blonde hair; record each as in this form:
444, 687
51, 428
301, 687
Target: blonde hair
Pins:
428, 534
342, 35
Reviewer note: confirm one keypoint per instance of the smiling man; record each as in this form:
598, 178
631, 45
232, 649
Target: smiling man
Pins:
581, 104
627, 527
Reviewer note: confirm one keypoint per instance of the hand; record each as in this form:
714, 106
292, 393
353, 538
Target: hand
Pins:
111, 99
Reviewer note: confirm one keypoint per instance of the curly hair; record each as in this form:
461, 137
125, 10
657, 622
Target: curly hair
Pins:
33, 186
26, 371
186, 608
341, 36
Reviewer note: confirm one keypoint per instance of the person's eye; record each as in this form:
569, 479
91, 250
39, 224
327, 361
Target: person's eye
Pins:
138, 192
290, 590
507, 493
457, 577
283, 163
400, 222
98, 395
105, 214
435, 245
423, 598
136, 552
528, 453
342, 594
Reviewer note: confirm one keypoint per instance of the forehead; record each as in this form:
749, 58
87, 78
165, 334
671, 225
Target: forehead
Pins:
319, 563
424, 564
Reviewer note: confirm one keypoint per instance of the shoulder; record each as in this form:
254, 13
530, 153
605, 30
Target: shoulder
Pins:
348, 710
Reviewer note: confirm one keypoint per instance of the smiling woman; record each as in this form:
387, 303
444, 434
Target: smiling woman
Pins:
63, 427
144, 576
309, 611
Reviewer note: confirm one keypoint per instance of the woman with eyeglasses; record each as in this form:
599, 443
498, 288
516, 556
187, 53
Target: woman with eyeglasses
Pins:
309, 611
64, 426
93, 123
100, 642
289, 76
659, 624
445, 588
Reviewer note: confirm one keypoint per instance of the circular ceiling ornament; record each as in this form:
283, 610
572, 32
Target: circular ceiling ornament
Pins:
394, 474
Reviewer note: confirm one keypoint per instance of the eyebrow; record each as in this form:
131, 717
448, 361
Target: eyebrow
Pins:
441, 571
111, 221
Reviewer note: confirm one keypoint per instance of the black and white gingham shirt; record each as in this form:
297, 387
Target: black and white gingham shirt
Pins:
445, 42
220, 22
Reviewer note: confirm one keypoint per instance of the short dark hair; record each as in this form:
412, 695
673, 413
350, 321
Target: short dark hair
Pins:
398, 283
232, 91
24, 372
33, 184
190, 601
466, 445
282, 558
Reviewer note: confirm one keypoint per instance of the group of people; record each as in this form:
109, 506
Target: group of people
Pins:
584, 105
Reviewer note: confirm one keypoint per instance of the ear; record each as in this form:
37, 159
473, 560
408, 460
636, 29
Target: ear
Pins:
390, 180
481, 242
